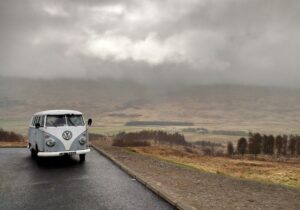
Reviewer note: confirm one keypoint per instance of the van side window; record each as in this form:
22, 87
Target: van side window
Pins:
41, 120
34, 120
37, 119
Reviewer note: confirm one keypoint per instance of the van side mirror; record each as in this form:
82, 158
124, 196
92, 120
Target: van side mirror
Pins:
37, 125
90, 122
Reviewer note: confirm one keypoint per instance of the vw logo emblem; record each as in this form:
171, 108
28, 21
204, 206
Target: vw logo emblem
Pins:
67, 135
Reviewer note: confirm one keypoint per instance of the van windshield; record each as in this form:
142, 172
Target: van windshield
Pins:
60, 120
75, 120
55, 120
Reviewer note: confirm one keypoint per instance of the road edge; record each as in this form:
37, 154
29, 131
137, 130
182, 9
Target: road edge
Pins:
155, 189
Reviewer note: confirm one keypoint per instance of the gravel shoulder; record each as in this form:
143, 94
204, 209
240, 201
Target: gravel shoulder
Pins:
205, 190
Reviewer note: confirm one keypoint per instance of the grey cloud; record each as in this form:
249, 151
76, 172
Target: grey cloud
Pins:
205, 41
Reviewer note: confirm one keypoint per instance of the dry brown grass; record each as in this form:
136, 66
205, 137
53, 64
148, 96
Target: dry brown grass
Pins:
267, 171
223, 139
13, 144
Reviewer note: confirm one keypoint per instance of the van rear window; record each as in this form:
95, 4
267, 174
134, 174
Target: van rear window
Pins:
55, 120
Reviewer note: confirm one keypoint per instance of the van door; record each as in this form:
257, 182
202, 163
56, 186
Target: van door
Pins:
36, 119
39, 135
31, 132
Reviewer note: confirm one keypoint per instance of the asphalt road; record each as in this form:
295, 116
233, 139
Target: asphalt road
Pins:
64, 183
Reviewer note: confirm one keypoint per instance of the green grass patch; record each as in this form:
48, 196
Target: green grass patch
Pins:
130, 150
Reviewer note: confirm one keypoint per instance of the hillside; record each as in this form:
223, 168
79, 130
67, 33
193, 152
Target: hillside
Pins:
113, 103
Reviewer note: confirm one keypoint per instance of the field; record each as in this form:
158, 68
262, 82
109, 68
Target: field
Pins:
196, 187
226, 111
214, 113
266, 170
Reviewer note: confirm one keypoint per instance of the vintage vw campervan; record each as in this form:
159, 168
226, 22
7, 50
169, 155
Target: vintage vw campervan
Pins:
57, 133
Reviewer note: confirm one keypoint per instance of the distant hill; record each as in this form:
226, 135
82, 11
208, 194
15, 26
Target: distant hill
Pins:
158, 123
114, 102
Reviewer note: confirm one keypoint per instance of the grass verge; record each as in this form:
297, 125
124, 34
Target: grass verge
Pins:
282, 173
12, 144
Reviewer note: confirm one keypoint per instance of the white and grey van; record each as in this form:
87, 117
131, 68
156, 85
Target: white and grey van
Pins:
57, 133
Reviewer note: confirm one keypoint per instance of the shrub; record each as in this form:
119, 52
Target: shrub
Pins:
146, 136
207, 151
219, 153
190, 150
10, 136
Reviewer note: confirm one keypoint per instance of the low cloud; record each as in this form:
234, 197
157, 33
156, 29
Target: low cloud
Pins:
178, 48
203, 41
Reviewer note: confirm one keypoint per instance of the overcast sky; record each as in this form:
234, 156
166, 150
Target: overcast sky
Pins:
195, 41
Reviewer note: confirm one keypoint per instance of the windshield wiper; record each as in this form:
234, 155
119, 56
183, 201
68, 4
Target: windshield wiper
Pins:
69, 121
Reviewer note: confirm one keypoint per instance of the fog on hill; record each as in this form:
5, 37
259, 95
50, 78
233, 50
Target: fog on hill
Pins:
122, 61
115, 101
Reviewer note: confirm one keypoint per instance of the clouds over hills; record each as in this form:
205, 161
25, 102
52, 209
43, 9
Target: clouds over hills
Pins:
198, 41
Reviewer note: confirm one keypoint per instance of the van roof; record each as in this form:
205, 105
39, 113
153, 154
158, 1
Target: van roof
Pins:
60, 111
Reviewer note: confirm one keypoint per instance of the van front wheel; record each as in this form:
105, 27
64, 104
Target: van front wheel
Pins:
33, 153
82, 158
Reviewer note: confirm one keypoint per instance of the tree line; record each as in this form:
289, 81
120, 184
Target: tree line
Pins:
143, 138
10, 136
266, 144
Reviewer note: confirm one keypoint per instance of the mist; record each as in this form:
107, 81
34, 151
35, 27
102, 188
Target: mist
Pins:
169, 42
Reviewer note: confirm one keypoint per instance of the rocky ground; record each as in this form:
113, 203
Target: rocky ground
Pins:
203, 190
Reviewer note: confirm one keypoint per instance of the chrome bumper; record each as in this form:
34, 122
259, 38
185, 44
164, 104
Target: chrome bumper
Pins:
53, 154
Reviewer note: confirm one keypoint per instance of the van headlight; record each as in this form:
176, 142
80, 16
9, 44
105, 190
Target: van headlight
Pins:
82, 140
50, 142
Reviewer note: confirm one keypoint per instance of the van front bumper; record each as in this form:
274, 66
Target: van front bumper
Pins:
54, 154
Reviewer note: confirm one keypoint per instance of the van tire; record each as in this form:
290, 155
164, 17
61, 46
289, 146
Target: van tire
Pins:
82, 158
33, 153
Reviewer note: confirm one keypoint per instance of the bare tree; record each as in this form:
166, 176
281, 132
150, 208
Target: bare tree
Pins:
230, 149
292, 144
242, 146
265, 144
284, 144
297, 145
268, 143
278, 144
254, 145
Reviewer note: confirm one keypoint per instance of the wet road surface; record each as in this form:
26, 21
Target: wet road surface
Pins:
64, 183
